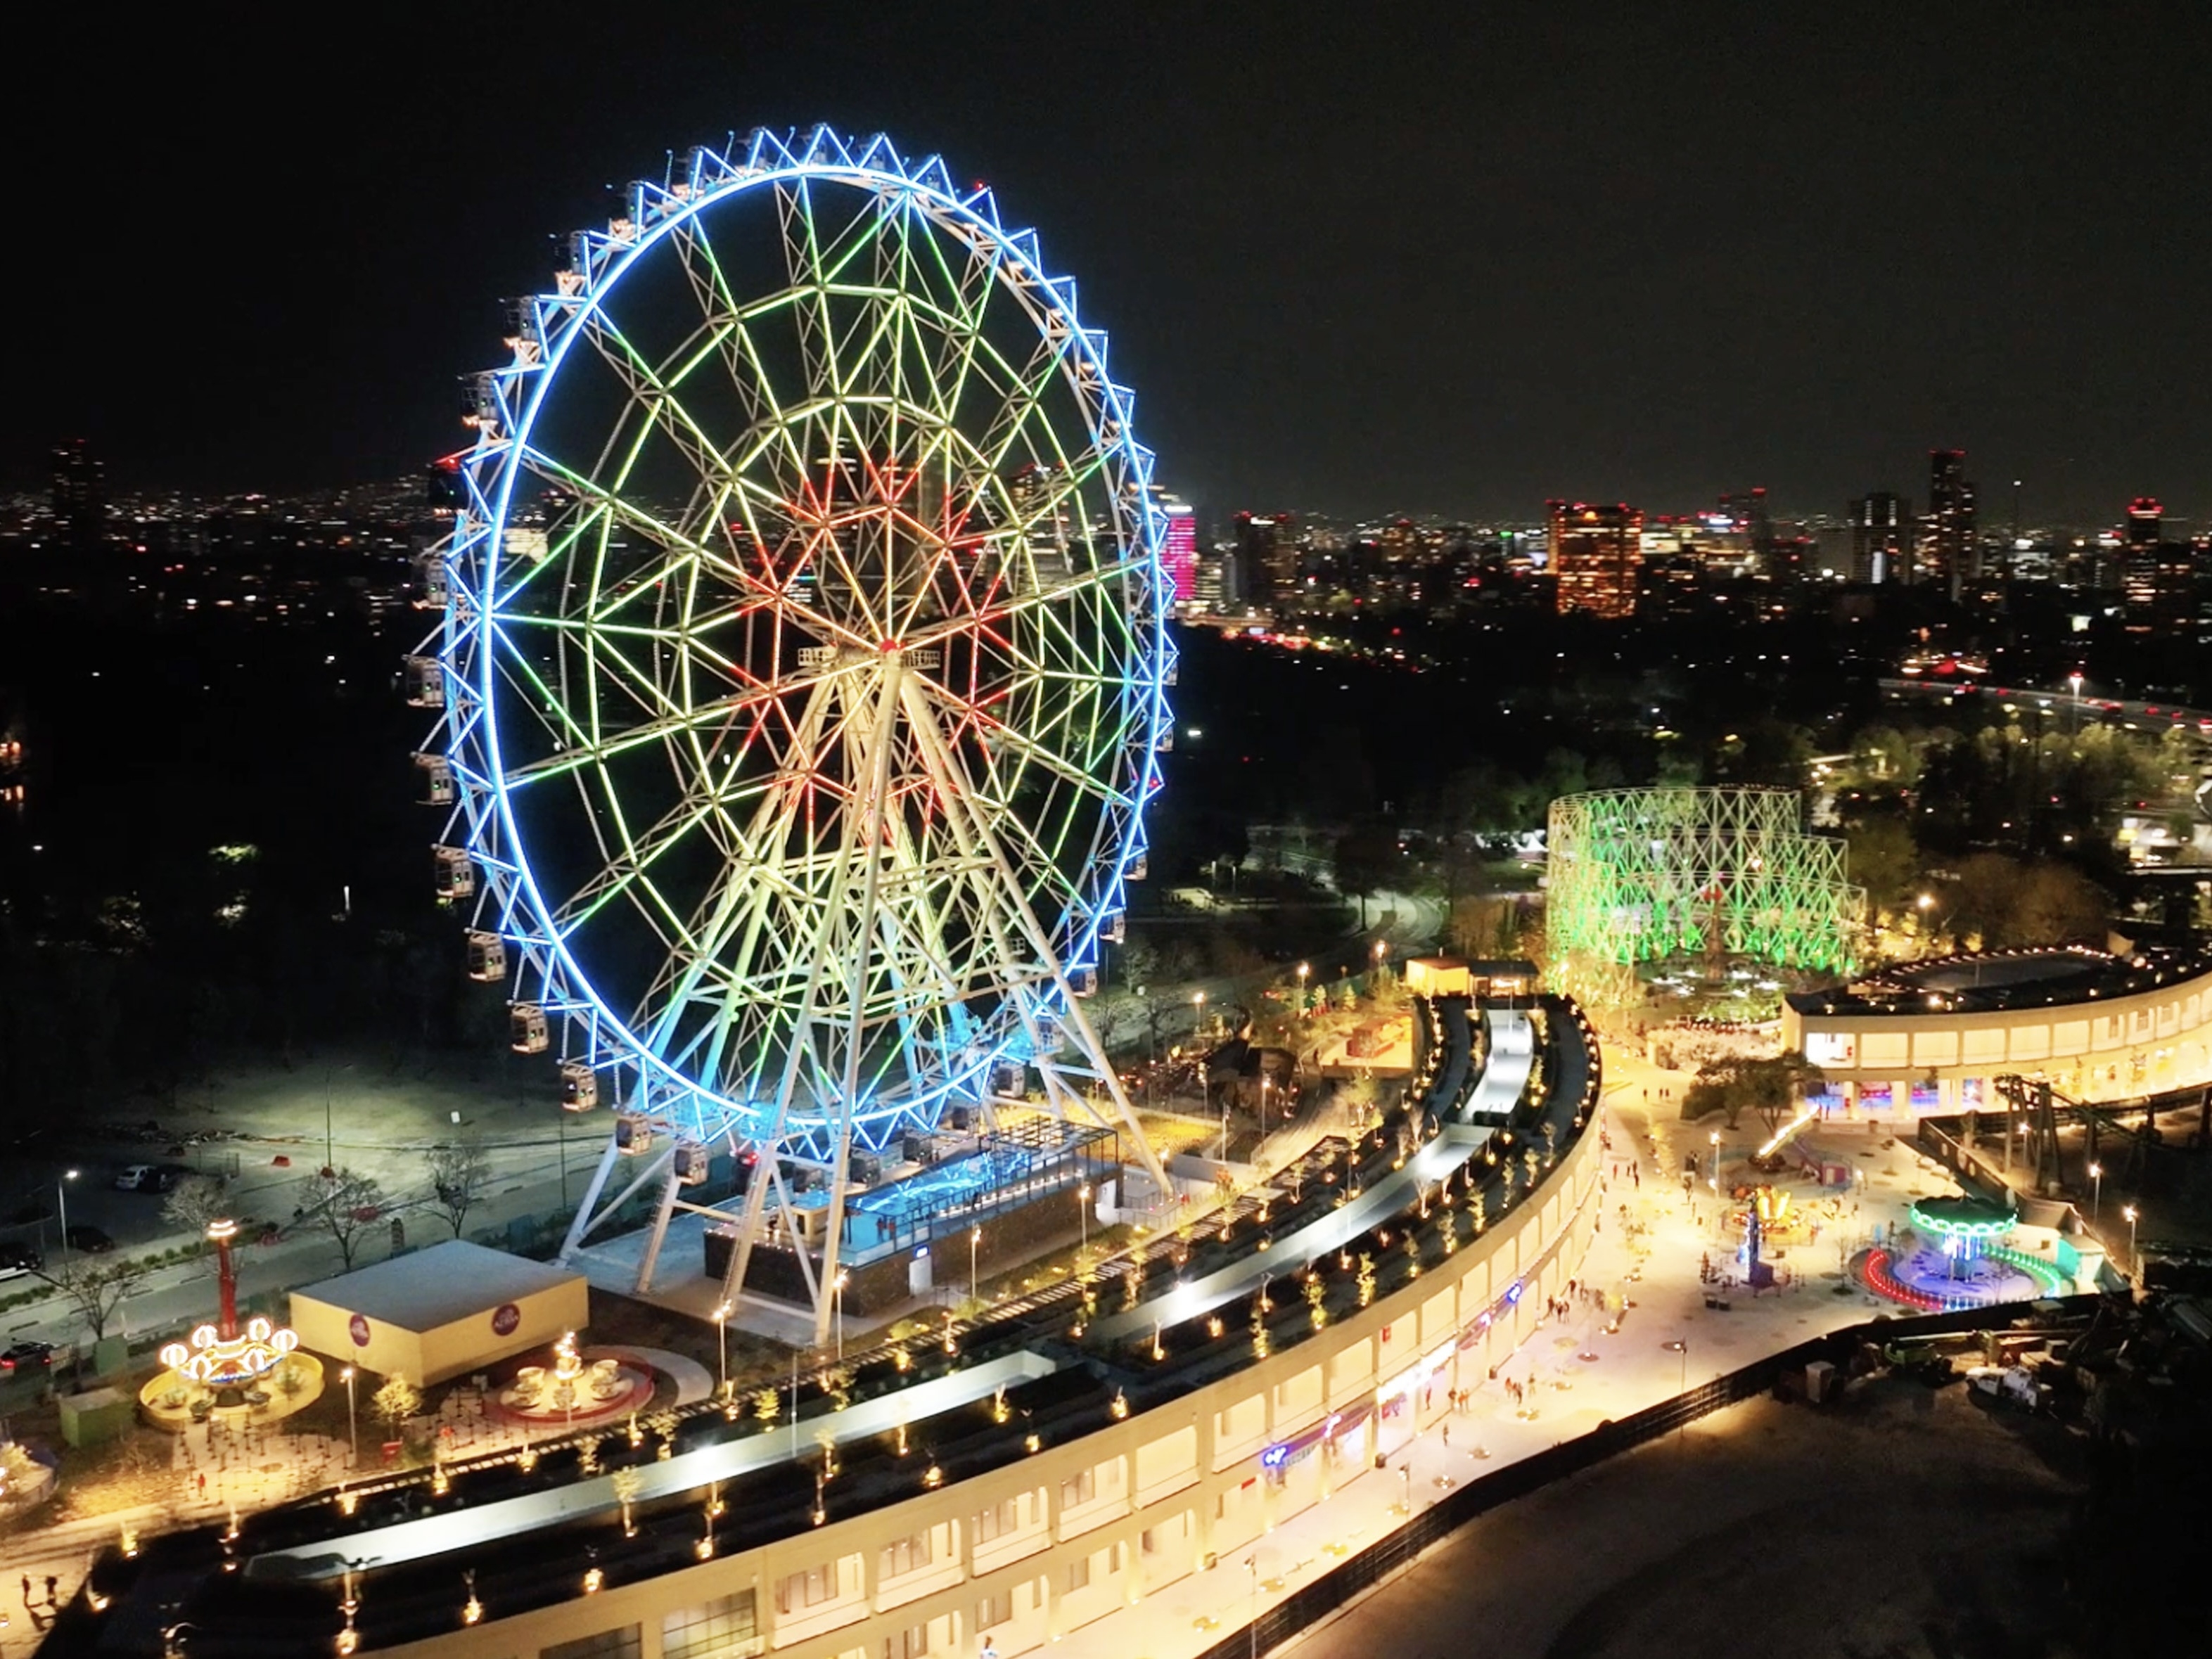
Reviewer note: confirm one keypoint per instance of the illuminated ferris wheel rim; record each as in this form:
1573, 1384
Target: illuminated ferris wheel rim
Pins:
502, 458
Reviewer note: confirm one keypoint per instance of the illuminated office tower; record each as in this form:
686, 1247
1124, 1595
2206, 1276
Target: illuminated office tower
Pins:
79, 497
1596, 552
1949, 553
1881, 538
2158, 577
1179, 549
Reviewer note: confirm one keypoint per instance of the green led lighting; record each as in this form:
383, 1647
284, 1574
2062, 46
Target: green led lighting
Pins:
1646, 875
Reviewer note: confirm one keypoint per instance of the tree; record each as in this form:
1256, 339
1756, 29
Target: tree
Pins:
96, 1288
194, 1201
395, 1402
1772, 1087
1880, 856
460, 1171
1365, 858
2053, 904
346, 1205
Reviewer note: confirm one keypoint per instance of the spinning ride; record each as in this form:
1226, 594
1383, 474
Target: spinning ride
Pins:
801, 669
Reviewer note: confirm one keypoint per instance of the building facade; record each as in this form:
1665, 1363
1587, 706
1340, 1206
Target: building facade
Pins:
2115, 1033
1596, 555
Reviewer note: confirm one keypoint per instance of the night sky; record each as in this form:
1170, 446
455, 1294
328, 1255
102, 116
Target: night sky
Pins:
1448, 258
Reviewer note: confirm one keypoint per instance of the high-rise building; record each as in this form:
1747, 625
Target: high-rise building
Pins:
1745, 510
79, 494
1595, 553
2158, 577
1881, 538
1267, 557
1949, 554
1179, 551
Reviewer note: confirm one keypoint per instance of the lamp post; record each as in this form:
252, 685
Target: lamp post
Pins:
837, 1309
1083, 1209
1197, 1012
353, 1431
1382, 949
975, 1237
1303, 970
2096, 1191
1715, 1138
1265, 1080
60, 1196
2135, 1255
722, 1312
1252, 1626
2074, 728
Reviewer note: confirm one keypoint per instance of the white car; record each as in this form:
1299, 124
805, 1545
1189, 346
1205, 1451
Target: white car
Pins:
132, 1178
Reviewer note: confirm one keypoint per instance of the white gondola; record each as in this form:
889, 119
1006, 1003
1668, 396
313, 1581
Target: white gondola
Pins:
1114, 928
454, 874
1048, 1034
430, 581
580, 1087
1010, 1078
1140, 867
1165, 739
487, 958
633, 1136
433, 780
691, 1164
1083, 981
426, 682
1172, 672
525, 1029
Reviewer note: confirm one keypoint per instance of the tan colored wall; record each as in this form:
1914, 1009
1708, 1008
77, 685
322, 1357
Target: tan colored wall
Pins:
323, 1329
470, 1343
1186, 1474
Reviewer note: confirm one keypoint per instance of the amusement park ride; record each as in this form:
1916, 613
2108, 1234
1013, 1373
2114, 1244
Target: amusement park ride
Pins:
801, 677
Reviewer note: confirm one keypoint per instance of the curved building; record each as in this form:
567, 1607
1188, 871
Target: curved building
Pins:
1932, 1036
1014, 1481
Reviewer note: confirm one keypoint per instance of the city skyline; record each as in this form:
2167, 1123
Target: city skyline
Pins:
1349, 265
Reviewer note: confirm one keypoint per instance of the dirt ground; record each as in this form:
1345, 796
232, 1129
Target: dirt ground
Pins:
1903, 1522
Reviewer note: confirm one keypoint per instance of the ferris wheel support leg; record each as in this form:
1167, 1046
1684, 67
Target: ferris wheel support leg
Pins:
959, 807
650, 1257
581, 1224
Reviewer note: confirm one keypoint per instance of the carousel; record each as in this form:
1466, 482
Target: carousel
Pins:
253, 1371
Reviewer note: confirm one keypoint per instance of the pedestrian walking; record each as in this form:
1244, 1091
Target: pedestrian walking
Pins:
51, 1580
26, 1590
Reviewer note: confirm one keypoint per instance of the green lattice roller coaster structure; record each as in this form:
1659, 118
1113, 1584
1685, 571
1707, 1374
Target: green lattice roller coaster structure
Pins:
1656, 875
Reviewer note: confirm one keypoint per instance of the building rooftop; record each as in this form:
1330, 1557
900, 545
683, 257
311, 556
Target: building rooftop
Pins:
425, 1289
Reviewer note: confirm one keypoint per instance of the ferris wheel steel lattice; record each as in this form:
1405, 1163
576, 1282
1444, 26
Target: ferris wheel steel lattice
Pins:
801, 669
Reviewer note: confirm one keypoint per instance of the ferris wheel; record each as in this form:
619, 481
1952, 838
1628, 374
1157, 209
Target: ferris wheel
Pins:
801, 671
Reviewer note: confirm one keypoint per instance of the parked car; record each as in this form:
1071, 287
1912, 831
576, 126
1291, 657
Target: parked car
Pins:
133, 1179
26, 1355
90, 1240
17, 1259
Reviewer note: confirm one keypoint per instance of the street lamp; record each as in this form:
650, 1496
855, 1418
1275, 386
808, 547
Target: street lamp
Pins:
2135, 1255
1303, 970
722, 1312
975, 1237
1265, 1081
353, 1432
1716, 1140
1198, 1011
2096, 1191
2074, 681
1083, 1204
61, 1195
838, 1309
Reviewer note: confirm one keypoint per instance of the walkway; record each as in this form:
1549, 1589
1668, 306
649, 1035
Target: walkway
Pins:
1575, 1371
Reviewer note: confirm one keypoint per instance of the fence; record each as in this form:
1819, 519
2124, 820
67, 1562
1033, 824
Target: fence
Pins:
1359, 1573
